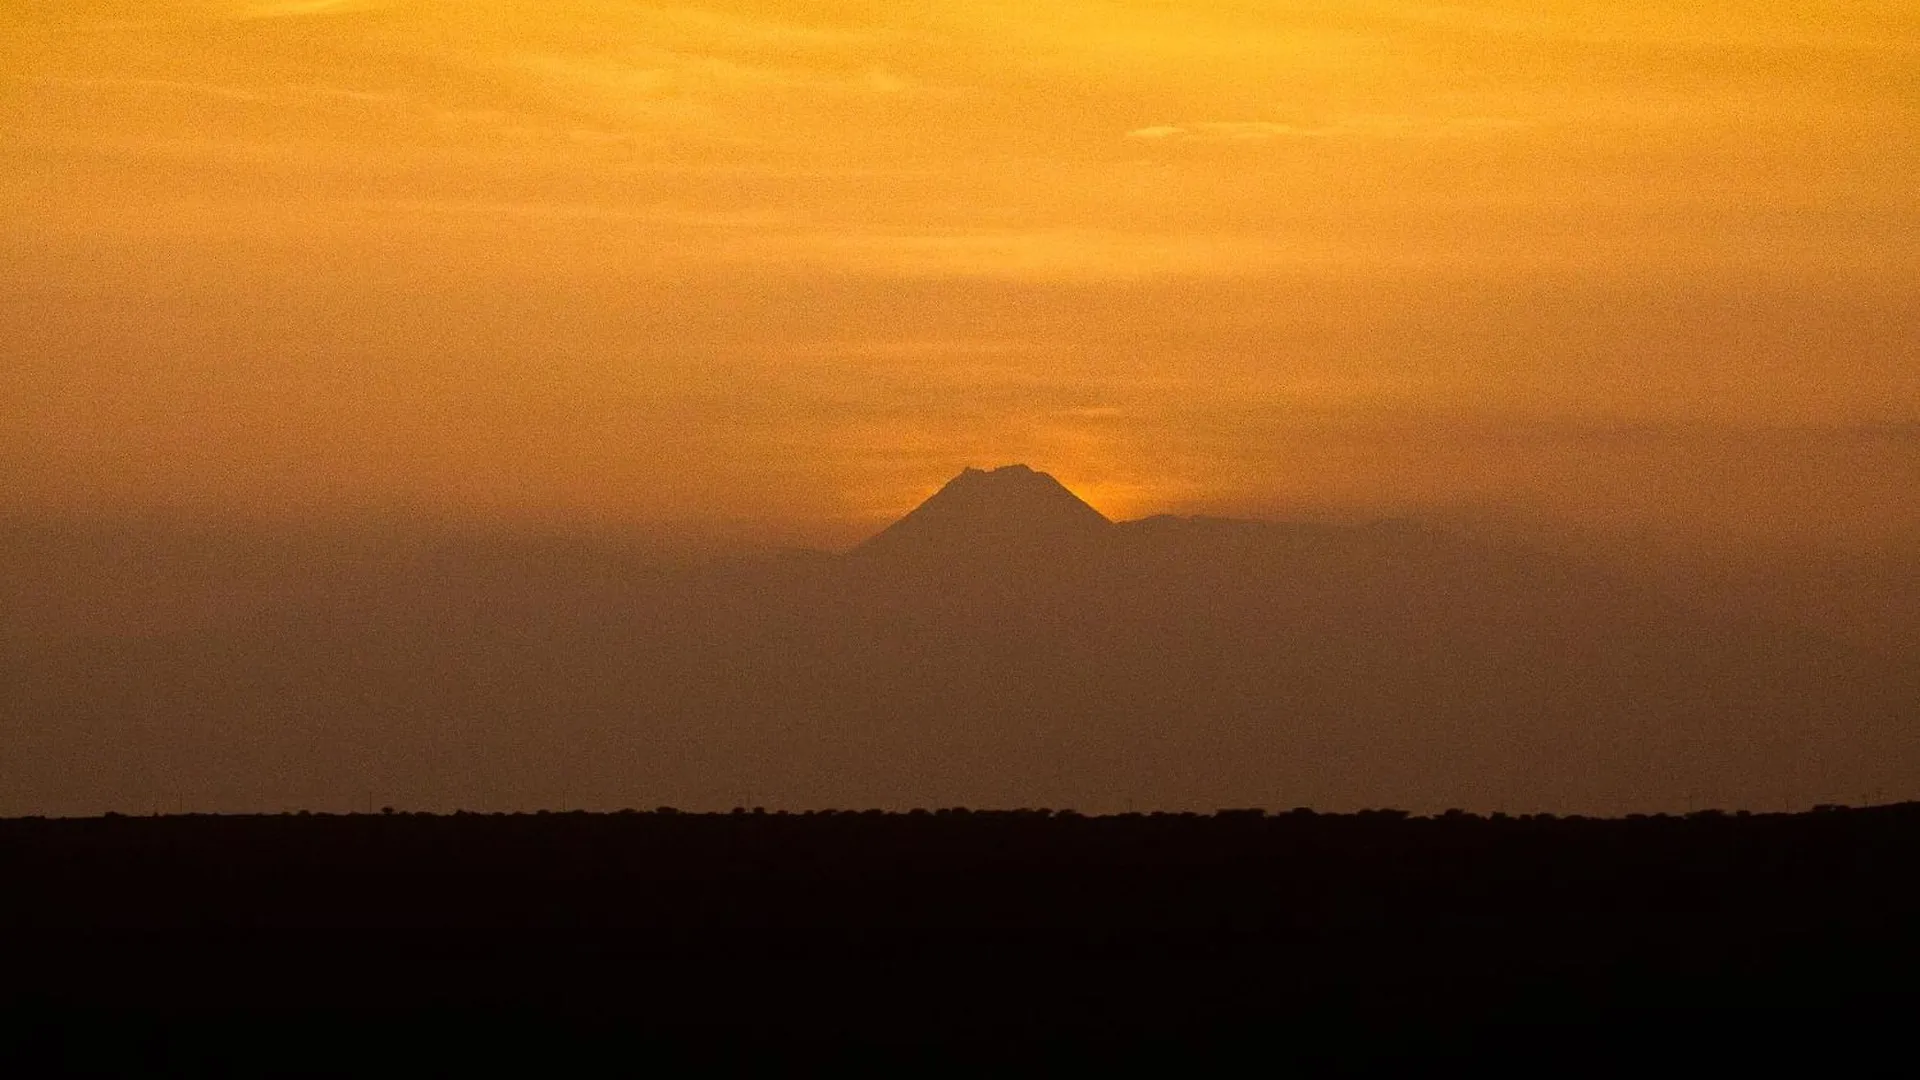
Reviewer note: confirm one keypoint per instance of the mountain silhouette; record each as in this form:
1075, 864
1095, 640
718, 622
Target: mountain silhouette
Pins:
1009, 512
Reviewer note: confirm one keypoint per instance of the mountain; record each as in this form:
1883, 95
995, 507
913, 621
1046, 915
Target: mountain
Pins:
1009, 512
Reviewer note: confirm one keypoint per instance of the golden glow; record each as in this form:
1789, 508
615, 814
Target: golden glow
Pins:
797, 262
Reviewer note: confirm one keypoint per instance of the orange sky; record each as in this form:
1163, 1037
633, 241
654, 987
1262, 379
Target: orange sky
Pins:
793, 264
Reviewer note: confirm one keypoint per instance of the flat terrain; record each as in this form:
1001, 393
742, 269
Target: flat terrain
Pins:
979, 927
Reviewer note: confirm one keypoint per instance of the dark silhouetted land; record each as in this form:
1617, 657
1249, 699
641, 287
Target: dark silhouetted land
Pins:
977, 929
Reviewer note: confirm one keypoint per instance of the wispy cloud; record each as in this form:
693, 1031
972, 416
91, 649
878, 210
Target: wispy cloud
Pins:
226, 91
284, 9
172, 86
1793, 27
1384, 126
1029, 254
658, 71
657, 214
920, 348
735, 28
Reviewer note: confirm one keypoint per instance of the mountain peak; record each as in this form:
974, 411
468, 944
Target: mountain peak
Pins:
1010, 509
1006, 474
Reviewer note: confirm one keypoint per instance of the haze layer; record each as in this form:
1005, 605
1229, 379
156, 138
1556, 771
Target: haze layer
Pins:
1003, 645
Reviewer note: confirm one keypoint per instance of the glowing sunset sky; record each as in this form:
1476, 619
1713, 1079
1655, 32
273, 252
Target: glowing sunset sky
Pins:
795, 263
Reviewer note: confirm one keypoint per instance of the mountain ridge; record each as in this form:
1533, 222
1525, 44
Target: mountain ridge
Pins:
1011, 509
1021, 512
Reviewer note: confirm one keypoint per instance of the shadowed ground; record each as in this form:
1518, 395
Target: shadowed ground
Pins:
981, 931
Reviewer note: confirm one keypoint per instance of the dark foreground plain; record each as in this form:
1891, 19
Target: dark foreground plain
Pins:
1313, 939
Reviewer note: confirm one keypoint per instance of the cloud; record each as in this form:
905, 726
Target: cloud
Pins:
655, 214
1255, 129
227, 91
882, 81
665, 83
175, 86
283, 9
735, 29
897, 349
1383, 126
1029, 254
1789, 28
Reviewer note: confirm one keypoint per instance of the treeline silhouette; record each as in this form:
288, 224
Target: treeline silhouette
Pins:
954, 867
958, 925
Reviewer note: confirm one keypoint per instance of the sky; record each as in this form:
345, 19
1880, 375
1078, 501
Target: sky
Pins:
777, 270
